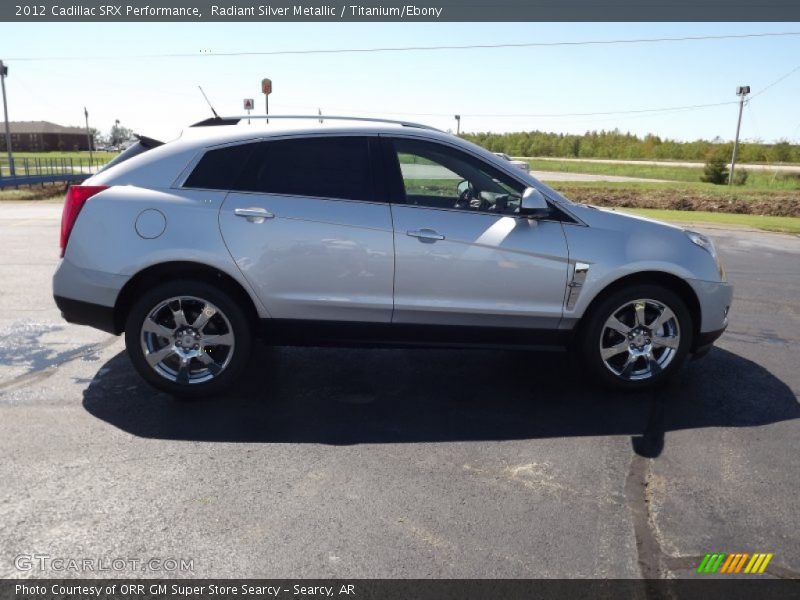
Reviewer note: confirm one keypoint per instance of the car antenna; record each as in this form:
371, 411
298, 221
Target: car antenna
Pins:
216, 116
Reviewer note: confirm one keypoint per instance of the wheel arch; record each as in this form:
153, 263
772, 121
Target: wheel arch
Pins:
667, 280
161, 272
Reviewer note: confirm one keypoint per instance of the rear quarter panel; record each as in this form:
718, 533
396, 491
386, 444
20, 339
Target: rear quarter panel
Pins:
105, 239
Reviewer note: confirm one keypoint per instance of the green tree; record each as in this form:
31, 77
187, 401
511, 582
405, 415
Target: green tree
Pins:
781, 152
716, 170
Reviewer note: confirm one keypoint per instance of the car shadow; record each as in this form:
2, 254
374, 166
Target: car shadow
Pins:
352, 396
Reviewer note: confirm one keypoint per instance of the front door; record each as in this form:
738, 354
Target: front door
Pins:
463, 254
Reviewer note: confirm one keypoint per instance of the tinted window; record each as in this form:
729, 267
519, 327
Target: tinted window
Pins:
442, 177
316, 167
218, 169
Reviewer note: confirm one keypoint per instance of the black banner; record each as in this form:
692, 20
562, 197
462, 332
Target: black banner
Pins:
403, 10
733, 588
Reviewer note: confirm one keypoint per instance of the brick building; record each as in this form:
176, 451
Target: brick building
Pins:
43, 136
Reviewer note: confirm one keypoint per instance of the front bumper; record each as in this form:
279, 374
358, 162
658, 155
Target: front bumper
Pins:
704, 342
715, 299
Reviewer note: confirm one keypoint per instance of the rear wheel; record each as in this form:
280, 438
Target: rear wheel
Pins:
188, 338
637, 337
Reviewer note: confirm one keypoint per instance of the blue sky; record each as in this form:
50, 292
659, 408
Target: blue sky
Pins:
159, 96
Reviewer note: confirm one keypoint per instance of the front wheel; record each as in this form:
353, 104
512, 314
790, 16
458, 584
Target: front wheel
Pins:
188, 338
637, 337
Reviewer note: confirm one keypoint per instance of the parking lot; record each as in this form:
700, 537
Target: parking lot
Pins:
398, 463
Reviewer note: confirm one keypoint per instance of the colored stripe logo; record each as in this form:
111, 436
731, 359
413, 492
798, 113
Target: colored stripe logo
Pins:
740, 562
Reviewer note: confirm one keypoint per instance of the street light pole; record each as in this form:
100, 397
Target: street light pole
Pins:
88, 136
3, 75
742, 92
458, 124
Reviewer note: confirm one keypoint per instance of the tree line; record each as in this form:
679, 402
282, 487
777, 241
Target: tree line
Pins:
615, 144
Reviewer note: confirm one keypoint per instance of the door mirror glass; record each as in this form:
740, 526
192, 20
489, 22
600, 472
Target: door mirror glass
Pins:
533, 204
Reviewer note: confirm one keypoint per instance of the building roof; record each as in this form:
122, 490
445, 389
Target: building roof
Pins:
39, 127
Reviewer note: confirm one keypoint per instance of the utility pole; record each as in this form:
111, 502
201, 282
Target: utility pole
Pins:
266, 89
742, 92
458, 124
3, 75
88, 137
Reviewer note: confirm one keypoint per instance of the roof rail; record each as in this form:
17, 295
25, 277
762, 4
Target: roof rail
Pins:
212, 121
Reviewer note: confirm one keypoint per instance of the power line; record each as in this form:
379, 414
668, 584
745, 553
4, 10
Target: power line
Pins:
776, 82
600, 113
420, 48
549, 115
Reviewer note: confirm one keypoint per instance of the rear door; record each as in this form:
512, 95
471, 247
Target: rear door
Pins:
308, 231
463, 254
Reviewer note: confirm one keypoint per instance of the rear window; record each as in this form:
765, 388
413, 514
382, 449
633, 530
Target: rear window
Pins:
334, 167
142, 145
218, 169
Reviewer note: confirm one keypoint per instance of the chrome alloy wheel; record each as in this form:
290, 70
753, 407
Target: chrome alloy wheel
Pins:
187, 340
640, 339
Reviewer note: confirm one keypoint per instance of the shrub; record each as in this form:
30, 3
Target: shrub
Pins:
740, 177
716, 170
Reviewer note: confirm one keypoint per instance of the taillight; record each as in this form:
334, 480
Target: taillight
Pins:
77, 195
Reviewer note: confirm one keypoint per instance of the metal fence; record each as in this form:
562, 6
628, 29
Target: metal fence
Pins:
29, 171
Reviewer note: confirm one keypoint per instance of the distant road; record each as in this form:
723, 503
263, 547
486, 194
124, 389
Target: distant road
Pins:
435, 172
566, 176
663, 163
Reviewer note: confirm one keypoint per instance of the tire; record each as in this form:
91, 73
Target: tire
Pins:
188, 338
621, 353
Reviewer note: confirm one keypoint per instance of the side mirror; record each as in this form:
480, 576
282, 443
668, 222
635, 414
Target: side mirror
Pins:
533, 204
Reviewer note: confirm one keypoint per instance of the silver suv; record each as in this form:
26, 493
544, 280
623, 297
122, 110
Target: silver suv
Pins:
364, 231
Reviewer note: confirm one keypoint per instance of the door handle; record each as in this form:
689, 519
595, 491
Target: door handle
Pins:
254, 215
426, 235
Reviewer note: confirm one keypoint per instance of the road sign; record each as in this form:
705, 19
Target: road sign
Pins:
266, 86
248, 104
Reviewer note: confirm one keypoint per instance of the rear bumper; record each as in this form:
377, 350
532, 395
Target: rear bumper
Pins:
87, 297
86, 313
87, 285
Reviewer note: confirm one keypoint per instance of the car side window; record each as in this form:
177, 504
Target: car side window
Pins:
218, 169
438, 176
322, 167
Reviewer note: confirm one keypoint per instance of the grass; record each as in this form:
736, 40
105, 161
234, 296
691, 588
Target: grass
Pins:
685, 196
33, 162
50, 192
98, 156
678, 187
780, 224
755, 180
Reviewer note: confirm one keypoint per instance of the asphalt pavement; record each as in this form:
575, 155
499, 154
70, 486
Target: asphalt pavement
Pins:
396, 463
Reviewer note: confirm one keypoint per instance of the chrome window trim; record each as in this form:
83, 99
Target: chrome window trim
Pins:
484, 213
252, 193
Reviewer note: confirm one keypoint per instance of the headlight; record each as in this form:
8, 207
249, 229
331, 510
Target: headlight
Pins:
707, 244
